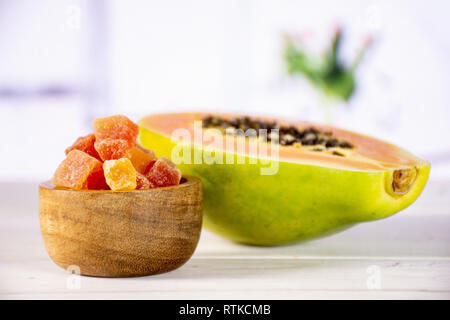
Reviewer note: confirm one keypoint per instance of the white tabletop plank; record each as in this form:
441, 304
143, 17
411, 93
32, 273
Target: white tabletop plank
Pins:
405, 256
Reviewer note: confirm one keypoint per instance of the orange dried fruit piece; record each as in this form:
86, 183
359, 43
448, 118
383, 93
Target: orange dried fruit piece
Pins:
120, 174
163, 173
142, 182
85, 144
116, 127
141, 158
78, 171
112, 149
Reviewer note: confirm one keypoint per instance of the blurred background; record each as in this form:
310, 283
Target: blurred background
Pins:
64, 62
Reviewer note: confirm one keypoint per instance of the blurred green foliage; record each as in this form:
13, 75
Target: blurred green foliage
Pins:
326, 72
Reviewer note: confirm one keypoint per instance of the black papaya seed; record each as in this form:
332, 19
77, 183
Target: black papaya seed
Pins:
345, 145
331, 143
288, 135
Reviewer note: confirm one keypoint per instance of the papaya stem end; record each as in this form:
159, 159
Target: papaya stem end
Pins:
403, 179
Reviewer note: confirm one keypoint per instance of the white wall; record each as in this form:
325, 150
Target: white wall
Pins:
137, 57
225, 55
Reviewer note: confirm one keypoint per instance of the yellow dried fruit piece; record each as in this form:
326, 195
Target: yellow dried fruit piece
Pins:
120, 174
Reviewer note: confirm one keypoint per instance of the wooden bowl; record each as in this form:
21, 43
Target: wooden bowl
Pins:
121, 234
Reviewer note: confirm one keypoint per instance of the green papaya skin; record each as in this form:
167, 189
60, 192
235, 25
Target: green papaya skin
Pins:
299, 202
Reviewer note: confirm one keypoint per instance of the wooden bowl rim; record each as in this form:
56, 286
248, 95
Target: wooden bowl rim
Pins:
189, 181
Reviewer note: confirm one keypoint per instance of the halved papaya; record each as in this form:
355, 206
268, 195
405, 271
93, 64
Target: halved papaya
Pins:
285, 181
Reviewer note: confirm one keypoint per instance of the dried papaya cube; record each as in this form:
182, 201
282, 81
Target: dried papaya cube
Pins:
112, 149
120, 174
163, 173
75, 171
85, 144
142, 182
97, 181
140, 158
116, 127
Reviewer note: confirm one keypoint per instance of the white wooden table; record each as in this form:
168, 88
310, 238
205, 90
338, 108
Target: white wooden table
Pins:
405, 256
